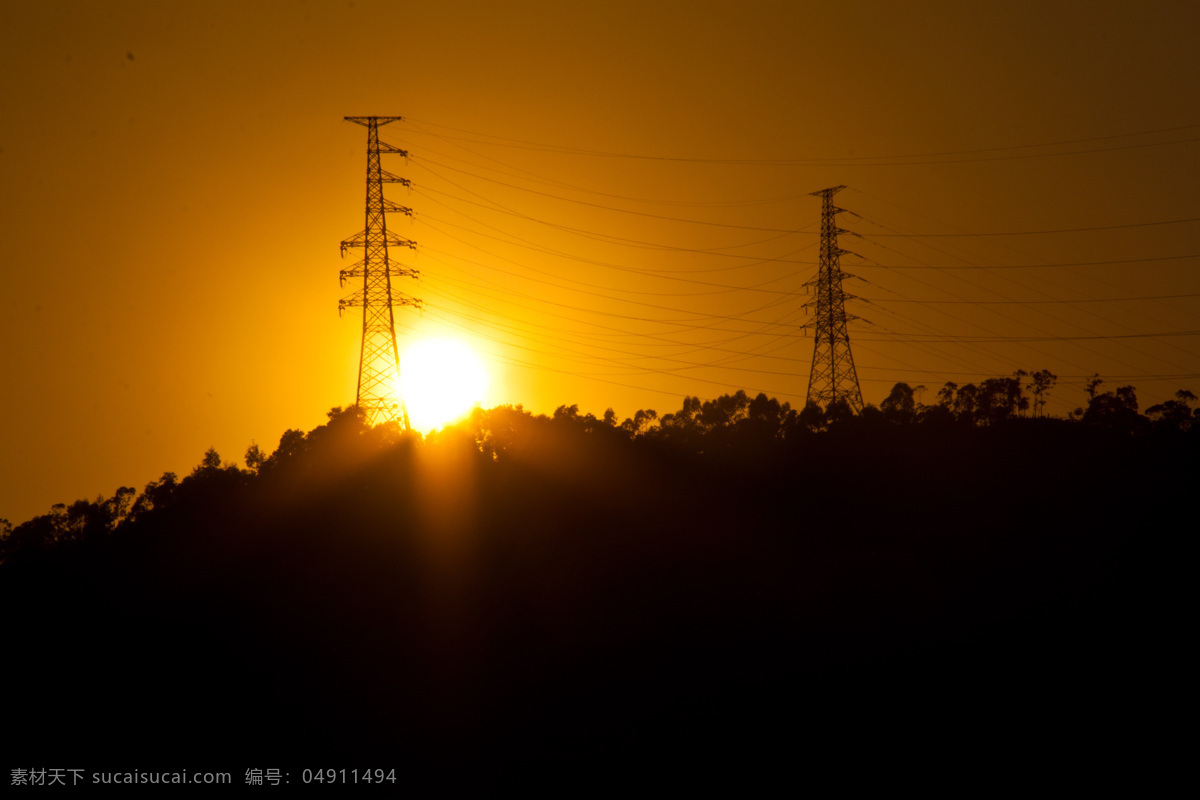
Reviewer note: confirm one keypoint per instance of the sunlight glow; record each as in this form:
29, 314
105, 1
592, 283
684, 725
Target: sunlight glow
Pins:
441, 381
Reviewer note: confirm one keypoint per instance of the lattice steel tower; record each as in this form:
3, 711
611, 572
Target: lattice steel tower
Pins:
379, 362
832, 376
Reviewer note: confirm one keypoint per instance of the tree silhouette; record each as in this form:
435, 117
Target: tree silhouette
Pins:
1175, 415
999, 399
254, 458
157, 494
811, 418
210, 463
724, 411
1040, 384
966, 403
900, 406
640, 421
766, 419
1116, 410
838, 412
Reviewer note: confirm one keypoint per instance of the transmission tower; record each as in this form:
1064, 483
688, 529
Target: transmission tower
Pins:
379, 362
832, 376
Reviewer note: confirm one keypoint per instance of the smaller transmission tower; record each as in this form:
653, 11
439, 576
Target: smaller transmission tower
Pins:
832, 377
379, 362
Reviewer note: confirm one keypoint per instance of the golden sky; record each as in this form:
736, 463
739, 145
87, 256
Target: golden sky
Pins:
611, 205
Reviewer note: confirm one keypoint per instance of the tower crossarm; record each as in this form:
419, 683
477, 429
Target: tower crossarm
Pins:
359, 270
384, 147
387, 177
836, 273
360, 299
367, 122
374, 239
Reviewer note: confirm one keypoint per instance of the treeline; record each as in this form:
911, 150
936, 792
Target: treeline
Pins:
518, 587
726, 424
991, 402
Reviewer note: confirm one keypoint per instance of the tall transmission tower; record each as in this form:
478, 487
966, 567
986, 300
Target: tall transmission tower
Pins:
379, 363
832, 376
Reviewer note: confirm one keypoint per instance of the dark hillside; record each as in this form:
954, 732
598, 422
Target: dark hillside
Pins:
522, 589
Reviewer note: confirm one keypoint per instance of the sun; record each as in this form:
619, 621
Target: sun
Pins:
441, 380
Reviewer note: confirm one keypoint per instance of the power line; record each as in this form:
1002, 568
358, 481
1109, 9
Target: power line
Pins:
1146, 260
601, 205
1157, 335
636, 335
1034, 233
850, 161
1035, 302
1041, 309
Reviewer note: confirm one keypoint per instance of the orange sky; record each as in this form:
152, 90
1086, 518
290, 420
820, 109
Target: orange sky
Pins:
611, 206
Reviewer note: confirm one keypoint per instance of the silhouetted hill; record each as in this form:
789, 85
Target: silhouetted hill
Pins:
519, 589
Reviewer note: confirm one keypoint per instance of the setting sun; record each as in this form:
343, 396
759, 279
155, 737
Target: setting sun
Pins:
441, 380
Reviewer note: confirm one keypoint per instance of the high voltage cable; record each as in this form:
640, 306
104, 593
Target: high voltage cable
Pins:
602, 206
764, 328
939, 337
544, 368
994, 291
726, 290
609, 238
928, 339
852, 161
973, 345
665, 273
695, 315
972, 339
597, 294
649, 201
686, 365
873, 157
1060, 319
1034, 302
975, 322
667, 373
1024, 266
723, 288
499, 207
664, 342
985, 373
722, 363
591, 376
988, 339
1032, 233
537, 249
996, 338
1083, 275
733, 355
